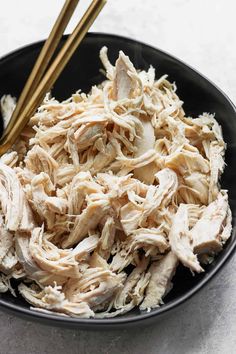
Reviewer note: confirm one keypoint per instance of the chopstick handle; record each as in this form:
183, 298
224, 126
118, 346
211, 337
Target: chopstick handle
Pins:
43, 59
52, 73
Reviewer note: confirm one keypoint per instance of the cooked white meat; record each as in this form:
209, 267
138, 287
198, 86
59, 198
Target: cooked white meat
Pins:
148, 239
180, 239
195, 188
136, 212
23, 254
186, 162
95, 287
44, 204
81, 185
127, 294
14, 206
50, 258
10, 159
5, 285
227, 228
6, 240
87, 134
38, 160
123, 84
105, 193
216, 154
130, 215
9, 262
107, 238
52, 298
7, 106
162, 273
206, 234
144, 143
87, 220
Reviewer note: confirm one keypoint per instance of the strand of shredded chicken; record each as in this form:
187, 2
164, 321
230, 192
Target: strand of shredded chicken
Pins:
105, 194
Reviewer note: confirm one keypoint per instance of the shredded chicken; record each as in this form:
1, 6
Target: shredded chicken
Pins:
104, 194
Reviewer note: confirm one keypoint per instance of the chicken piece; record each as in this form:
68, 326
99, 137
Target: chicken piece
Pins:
45, 205
9, 262
6, 240
96, 261
18, 215
94, 115
7, 106
168, 184
187, 162
83, 249
140, 288
65, 174
24, 176
120, 134
50, 258
82, 185
110, 69
10, 159
52, 298
146, 142
180, 240
121, 260
206, 234
5, 285
103, 159
72, 147
95, 287
127, 165
127, 293
217, 164
159, 196
159, 284
87, 220
135, 213
38, 160
107, 238
31, 268
227, 229
49, 135
198, 190
123, 84
56, 205
87, 134
130, 216
147, 238
118, 186
23, 254
205, 127
121, 256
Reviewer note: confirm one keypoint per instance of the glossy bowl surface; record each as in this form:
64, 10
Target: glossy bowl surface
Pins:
199, 95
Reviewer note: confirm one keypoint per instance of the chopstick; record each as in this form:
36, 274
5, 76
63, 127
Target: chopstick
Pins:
14, 129
43, 60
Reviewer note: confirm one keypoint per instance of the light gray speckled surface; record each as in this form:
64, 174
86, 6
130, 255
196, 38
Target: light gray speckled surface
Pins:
202, 33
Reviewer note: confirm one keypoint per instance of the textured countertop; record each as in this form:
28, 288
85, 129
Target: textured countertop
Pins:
202, 33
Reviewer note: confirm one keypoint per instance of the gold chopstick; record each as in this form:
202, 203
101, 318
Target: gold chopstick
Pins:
43, 59
52, 73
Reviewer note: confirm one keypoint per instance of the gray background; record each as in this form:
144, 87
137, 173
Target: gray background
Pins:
202, 33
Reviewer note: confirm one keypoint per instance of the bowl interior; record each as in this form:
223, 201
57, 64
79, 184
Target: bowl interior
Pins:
199, 95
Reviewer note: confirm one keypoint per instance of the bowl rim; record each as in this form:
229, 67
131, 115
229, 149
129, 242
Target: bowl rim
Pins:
132, 319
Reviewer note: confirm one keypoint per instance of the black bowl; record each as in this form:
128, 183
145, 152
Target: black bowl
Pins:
199, 95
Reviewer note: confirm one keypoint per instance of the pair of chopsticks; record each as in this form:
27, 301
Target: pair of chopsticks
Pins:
43, 77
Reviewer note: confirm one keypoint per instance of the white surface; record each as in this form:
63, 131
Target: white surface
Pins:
202, 33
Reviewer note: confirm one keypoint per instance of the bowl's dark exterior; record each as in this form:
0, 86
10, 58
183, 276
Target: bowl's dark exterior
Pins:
199, 95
